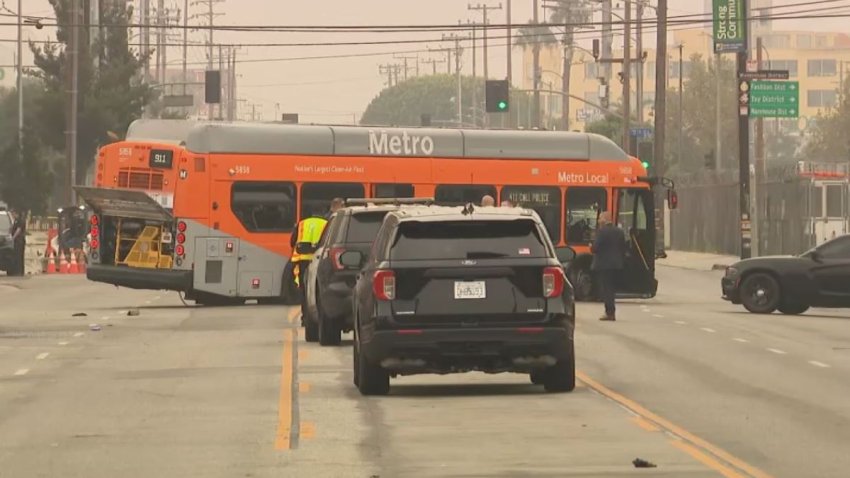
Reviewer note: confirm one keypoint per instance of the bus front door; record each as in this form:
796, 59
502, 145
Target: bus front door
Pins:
636, 217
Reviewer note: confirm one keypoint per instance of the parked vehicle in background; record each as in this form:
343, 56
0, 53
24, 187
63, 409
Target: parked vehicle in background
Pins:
329, 282
7, 245
819, 277
458, 289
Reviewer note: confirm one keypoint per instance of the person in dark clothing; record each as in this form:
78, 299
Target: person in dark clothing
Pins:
19, 239
609, 251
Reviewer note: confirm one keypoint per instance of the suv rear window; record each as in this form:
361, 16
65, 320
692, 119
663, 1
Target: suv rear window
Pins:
468, 240
364, 226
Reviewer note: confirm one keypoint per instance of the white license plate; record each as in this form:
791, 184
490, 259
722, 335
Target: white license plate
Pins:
470, 290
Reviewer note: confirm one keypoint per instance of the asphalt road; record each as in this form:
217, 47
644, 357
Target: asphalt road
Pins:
685, 381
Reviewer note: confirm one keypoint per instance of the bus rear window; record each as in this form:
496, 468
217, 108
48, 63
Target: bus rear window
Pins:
264, 206
364, 226
468, 240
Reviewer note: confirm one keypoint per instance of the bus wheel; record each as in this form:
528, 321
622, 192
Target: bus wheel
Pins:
582, 281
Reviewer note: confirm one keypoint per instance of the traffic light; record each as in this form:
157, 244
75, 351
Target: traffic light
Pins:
645, 152
497, 96
212, 86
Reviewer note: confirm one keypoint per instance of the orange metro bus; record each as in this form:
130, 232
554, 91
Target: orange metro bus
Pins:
241, 189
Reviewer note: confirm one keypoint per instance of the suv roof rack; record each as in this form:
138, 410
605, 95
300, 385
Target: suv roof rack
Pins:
388, 201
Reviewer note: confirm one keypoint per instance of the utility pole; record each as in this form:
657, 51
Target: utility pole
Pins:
387, 69
146, 37
639, 45
760, 173
20, 83
484, 9
71, 143
221, 70
433, 64
475, 75
536, 66
717, 117
660, 114
185, 44
510, 73
210, 14
231, 112
627, 82
160, 35
458, 52
607, 39
681, 99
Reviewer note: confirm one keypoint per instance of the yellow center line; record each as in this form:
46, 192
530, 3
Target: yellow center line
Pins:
694, 441
283, 438
284, 425
705, 459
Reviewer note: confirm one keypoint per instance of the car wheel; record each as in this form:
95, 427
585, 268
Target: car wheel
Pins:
561, 377
793, 309
760, 293
371, 378
582, 281
311, 331
329, 331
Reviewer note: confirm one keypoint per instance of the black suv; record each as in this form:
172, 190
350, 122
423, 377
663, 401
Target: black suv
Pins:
7, 246
458, 289
329, 282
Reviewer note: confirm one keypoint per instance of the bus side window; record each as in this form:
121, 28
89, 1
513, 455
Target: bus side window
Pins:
583, 207
545, 200
264, 206
392, 191
462, 194
316, 197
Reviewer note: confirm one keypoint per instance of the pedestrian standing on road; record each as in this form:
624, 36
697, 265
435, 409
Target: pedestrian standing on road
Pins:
488, 201
609, 252
308, 231
19, 240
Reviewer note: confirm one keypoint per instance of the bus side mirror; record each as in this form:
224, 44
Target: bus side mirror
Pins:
672, 199
305, 248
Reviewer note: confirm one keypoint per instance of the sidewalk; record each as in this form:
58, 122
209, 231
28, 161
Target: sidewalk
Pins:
698, 261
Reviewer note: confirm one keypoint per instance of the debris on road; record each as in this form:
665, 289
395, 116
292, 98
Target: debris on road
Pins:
80, 314
641, 463
94, 327
133, 313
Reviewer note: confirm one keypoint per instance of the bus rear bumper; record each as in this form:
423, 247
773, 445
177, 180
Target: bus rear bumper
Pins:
136, 278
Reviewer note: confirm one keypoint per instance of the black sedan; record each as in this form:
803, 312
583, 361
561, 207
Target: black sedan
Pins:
792, 284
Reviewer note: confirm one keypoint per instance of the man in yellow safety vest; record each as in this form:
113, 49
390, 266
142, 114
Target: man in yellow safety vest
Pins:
309, 231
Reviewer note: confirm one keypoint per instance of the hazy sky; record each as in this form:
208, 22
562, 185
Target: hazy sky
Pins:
329, 90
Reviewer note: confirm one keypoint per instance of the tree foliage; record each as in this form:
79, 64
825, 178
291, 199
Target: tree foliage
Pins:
405, 103
828, 139
25, 181
111, 94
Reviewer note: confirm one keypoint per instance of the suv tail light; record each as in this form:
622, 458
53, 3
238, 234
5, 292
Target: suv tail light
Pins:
336, 253
383, 285
553, 282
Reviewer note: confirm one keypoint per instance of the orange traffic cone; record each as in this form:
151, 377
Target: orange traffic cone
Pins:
73, 268
51, 262
82, 262
63, 263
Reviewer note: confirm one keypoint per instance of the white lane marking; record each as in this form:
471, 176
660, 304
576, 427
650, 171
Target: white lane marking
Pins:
22, 371
42, 356
148, 302
739, 339
658, 316
105, 317
63, 343
157, 298
777, 351
79, 334
680, 322
706, 329
818, 364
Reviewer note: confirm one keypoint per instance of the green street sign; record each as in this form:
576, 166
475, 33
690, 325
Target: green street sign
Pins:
774, 99
730, 26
